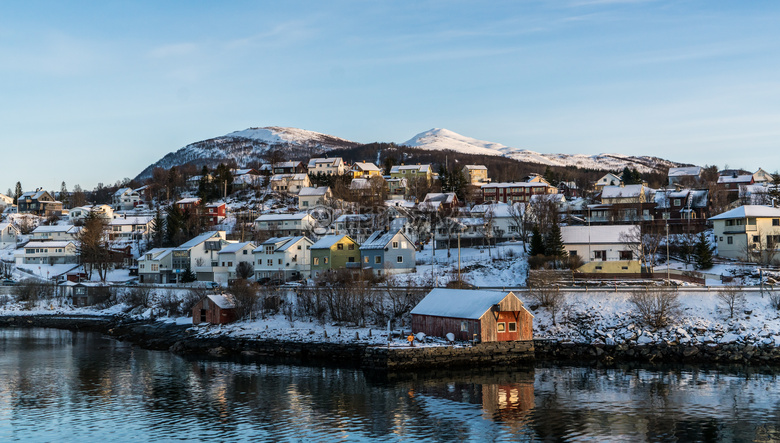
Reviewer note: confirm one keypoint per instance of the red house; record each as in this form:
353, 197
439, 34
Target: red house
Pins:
214, 213
485, 315
216, 309
188, 204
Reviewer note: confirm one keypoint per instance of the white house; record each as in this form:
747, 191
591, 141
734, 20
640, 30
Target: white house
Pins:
47, 252
200, 255
228, 259
677, 175
609, 179
285, 224
129, 228
125, 199
749, 232
598, 243
9, 235
55, 233
327, 166
289, 183
156, 266
312, 196
283, 258
81, 212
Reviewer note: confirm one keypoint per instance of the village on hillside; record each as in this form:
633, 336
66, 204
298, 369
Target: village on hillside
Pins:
331, 227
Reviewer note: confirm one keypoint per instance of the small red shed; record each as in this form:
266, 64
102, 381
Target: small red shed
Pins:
488, 315
216, 309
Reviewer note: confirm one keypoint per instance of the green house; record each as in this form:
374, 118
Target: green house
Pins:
334, 252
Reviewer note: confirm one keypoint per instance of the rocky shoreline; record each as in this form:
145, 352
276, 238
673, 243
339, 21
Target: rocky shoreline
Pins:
180, 340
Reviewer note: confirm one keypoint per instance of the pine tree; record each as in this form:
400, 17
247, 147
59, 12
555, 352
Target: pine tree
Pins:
554, 242
174, 224
537, 243
157, 234
703, 253
64, 198
17, 192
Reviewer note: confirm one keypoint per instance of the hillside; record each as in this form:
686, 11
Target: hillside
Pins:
442, 139
250, 145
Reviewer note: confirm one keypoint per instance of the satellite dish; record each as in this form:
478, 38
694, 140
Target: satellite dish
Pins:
420, 336
450, 336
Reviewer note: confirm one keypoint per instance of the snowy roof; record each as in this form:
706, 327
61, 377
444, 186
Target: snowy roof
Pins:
200, 239
749, 211
684, 171
157, 253
735, 178
627, 191
287, 164
366, 166
328, 241
359, 183
314, 191
33, 194
122, 221
56, 228
48, 244
573, 235
353, 218
242, 171
696, 198
441, 197
122, 191
458, 303
188, 200
3, 226
516, 185
419, 168
292, 241
500, 210
476, 167
232, 248
278, 177
224, 301
335, 161
400, 203
379, 239
282, 217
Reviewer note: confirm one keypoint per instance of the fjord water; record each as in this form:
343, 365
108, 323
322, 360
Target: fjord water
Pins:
64, 386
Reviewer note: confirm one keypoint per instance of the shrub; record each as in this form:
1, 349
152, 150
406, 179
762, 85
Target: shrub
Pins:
657, 306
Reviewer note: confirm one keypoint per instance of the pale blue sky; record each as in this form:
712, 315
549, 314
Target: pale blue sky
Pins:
95, 91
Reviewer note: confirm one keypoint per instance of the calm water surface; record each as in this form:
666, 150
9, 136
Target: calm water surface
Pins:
62, 386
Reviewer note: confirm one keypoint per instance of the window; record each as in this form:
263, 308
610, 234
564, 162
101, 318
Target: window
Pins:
600, 255
270, 262
776, 222
730, 240
377, 259
245, 251
325, 260
351, 259
677, 202
720, 238
756, 239
351, 247
395, 245
299, 247
230, 263
340, 247
280, 261
464, 326
572, 253
626, 255
403, 245
501, 327
316, 261
399, 259
512, 326
365, 259
598, 268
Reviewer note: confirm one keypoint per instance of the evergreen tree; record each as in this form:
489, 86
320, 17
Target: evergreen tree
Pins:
188, 276
157, 234
174, 224
537, 243
553, 244
223, 180
64, 198
703, 253
18, 192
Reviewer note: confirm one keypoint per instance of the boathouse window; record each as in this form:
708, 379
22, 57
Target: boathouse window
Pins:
501, 327
512, 326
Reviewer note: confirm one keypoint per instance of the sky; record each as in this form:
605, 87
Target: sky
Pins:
93, 92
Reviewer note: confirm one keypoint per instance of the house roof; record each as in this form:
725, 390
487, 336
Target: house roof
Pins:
224, 301
573, 235
328, 241
56, 228
282, 217
749, 211
419, 168
122, 191
200, 239
627, 191
476, 167
359, 183
49, 244
366, 166
188, 200
232, 248
122, 221
320, 191
295, 177
293, 241
287, 164
157, 253
335, 161
684, 171
441, 197
735, 179
353, 218
694, 198
458, 303
380, 239
516, 185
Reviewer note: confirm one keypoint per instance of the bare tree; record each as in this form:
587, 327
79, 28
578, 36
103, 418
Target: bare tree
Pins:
518, 218
731, 297
245, 296
543, 211
656, 306
543, 288
643, 243
93, 248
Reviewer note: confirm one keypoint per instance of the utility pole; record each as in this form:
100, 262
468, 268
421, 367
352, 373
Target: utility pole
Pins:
668, 280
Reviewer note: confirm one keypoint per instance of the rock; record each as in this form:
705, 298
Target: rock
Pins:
690, 351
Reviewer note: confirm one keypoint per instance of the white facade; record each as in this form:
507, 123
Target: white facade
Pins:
599, 243
48, 253
229, 258
9, 235
129, 228
327, 166
749, 232
55, 233
285, 258
285, 224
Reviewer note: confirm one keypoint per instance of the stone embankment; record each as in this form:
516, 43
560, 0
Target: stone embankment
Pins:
479, 356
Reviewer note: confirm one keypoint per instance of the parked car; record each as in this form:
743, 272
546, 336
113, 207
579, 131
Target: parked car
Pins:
9, 282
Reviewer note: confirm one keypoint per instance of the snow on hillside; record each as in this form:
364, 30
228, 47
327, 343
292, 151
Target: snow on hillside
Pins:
444, 139
279, 135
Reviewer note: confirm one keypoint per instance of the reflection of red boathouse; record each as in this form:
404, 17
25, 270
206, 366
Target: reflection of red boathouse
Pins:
486, 315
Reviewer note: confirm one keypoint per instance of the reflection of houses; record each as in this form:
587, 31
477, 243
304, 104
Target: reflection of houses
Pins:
215, 309
748, 232
604, 249
388, 252
514, 192
283, 258
468, 314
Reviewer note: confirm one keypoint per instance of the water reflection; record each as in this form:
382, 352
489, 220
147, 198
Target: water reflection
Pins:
63, 386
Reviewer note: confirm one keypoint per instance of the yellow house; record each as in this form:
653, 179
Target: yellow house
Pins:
365, 170
749, 232
334, 252
476, 174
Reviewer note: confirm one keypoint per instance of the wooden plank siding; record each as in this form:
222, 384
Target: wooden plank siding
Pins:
440, 326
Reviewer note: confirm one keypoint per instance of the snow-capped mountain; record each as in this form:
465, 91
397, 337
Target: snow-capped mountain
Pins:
444, 139
250, 145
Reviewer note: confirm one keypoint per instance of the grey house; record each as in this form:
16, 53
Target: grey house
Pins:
388, 252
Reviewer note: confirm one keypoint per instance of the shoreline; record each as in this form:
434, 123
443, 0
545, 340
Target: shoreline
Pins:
179, 339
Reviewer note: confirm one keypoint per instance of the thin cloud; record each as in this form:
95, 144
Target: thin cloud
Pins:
174, 50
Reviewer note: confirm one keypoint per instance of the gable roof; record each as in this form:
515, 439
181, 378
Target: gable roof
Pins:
231, 248
366, 166
684, 171
627, 191
735, 178
749, 211
319, 191
200, 239
335, 161
224, 301
459, 303
328, 241
282, 217
596, 234
380, 239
